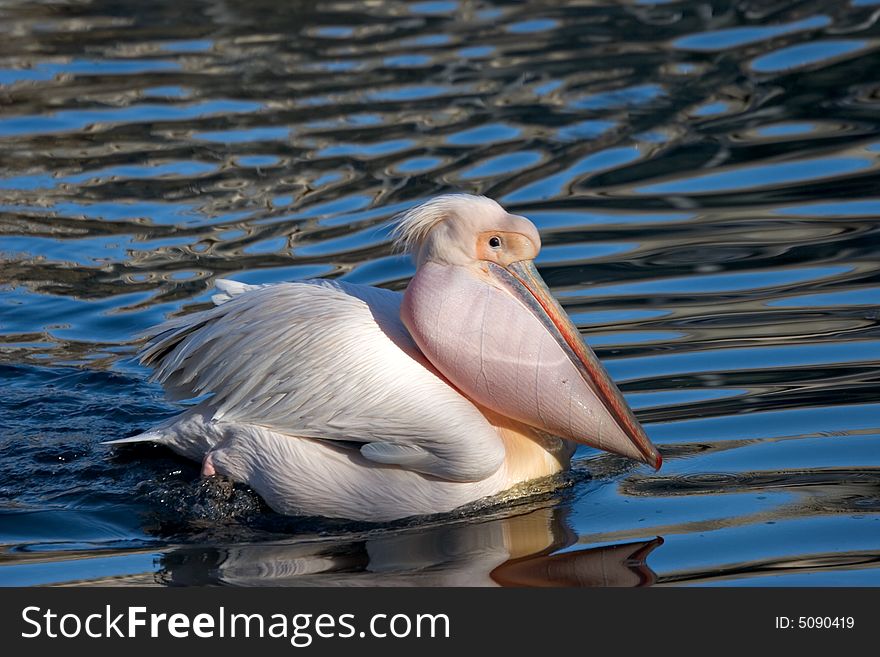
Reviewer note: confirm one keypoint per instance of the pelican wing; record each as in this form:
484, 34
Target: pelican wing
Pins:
328, 361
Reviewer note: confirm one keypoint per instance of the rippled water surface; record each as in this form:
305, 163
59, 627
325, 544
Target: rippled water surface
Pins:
706, 179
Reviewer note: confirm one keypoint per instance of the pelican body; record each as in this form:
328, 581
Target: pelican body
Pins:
349, 401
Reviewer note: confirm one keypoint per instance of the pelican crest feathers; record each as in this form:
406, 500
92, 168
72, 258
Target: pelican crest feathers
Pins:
412, 226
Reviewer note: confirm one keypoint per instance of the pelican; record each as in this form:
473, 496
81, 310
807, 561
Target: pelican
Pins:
350, 401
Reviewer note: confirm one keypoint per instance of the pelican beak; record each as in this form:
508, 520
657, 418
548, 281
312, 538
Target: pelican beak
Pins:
628, 437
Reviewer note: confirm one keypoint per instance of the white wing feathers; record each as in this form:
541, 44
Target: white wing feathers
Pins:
329, 361
229, 289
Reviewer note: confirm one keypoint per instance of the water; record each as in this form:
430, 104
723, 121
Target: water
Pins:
705, 178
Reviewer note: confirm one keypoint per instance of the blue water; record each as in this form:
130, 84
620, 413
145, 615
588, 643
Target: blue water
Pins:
705, 179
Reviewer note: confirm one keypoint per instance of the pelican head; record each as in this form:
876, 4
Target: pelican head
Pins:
482, 315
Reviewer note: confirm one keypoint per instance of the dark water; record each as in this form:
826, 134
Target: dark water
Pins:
705, 178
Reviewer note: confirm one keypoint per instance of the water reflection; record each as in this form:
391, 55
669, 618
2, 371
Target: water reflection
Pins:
512, 551
704, 174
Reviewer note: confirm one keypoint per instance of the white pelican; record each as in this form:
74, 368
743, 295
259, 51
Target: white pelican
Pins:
350, 401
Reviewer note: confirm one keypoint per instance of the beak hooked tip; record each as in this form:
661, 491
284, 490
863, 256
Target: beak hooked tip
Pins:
658, 462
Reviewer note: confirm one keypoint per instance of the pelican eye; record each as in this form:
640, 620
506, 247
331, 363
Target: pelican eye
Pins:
495, 242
